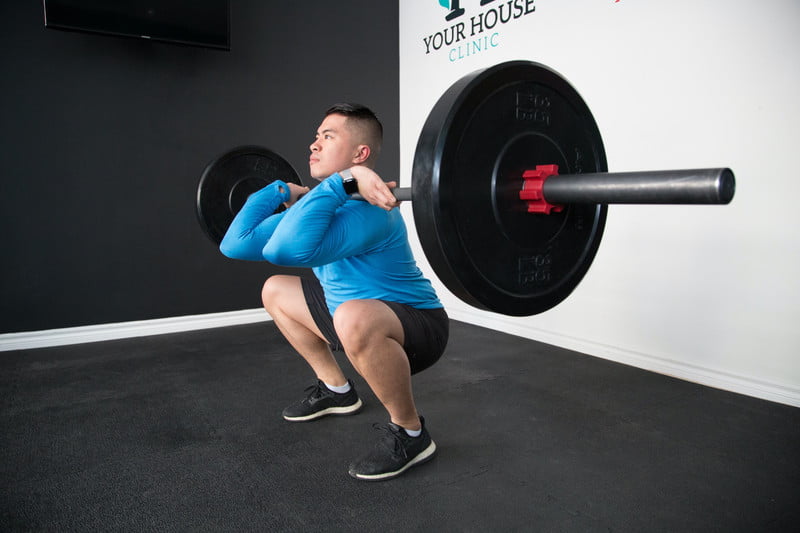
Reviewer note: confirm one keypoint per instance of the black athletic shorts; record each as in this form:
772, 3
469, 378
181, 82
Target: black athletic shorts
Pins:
425, 330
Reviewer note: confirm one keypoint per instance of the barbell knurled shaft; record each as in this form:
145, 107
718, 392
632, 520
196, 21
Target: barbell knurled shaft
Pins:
403, 194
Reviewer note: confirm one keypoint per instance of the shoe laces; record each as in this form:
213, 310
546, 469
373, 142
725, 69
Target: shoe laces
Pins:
316, 391
392, 440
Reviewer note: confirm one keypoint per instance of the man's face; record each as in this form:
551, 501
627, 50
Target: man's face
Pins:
333, 148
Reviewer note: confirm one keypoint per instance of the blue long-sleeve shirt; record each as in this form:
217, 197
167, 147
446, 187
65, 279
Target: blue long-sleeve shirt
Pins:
357, 250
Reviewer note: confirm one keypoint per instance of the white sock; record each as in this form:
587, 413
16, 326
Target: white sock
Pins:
339, 390
414, 432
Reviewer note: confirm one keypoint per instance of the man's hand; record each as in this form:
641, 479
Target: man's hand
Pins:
295, 191
374, 189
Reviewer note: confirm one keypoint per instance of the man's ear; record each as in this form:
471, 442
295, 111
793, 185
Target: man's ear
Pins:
362, 154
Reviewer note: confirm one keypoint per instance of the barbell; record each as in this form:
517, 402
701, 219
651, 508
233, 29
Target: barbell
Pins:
509, 188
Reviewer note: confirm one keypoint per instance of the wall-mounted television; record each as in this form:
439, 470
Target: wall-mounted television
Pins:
203, 23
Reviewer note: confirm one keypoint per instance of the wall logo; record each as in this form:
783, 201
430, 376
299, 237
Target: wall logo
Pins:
479, 33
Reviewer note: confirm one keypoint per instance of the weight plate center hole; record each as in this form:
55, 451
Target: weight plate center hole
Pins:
521, 153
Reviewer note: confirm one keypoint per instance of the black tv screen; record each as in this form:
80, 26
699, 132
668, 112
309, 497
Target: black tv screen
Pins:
191, 22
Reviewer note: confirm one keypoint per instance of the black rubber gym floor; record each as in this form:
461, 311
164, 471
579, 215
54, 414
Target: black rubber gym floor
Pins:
183, 432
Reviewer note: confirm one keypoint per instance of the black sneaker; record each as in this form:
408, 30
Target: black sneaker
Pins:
321, 401
395, 453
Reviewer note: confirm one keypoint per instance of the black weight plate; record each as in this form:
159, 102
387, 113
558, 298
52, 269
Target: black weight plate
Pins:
482, 134
229, 179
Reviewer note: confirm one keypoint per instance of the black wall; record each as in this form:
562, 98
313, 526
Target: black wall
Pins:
103, 140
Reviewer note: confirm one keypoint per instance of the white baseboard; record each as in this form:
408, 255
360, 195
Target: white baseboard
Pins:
678, 369
717, 379
122, 330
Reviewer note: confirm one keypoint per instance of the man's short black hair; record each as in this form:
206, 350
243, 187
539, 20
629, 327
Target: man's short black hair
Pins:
367, 122
355, 111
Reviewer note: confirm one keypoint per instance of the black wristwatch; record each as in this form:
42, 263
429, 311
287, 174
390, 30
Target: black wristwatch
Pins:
349, 182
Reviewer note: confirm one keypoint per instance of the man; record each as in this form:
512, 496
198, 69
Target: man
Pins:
368, 296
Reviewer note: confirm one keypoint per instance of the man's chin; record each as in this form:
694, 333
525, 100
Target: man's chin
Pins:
317, 174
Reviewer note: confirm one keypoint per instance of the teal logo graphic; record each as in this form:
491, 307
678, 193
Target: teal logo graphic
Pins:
455, 8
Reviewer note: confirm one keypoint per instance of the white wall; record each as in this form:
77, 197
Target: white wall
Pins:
704, 293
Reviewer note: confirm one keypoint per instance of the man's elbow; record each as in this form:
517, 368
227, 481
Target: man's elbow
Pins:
236, 249
230, 248
285, 256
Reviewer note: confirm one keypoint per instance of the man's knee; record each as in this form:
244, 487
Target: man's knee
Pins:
269, 291
359, 323
351, 324
275, 290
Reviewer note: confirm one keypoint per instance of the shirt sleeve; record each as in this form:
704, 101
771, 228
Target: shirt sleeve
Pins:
317, 230
254, 224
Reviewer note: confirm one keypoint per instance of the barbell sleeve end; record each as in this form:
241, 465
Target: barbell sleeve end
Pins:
691, 186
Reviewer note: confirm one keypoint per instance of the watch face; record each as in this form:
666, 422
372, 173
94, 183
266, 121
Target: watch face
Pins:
350, 185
